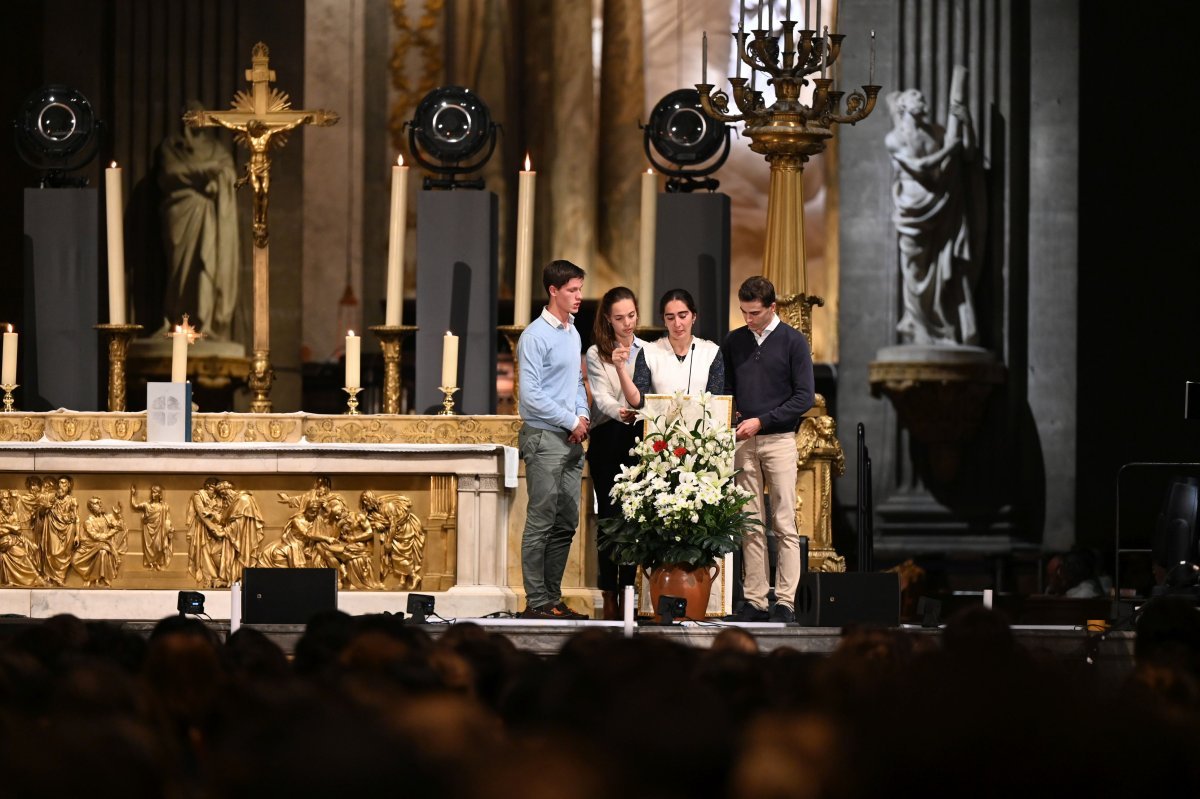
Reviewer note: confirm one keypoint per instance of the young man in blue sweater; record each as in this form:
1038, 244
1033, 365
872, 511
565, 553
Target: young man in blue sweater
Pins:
554, 409
768, 370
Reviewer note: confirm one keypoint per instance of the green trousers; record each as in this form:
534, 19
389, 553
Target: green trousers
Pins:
553, 477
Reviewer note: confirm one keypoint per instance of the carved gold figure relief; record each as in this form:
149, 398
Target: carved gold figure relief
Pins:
378, 545
403, 535
97, 555
57, 527
18, 554
158, 531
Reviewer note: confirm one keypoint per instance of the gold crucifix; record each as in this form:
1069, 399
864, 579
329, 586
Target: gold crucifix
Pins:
260, 120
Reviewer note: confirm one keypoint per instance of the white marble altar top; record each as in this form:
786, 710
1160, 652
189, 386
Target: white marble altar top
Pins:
248, 456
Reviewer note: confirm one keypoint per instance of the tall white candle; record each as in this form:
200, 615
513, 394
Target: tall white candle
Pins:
526, 192
450, 360
397, 227
649, 230
179, 345
871, 70
8, 363
353, 360
114, 209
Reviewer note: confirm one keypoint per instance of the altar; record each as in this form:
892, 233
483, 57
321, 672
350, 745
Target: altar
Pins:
439, 509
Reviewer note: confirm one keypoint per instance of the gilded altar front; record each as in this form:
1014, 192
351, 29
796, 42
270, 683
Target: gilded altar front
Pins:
96, 512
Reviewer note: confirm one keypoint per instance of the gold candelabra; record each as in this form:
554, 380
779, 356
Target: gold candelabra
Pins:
117, 337
391, 339
788, 133
8, 389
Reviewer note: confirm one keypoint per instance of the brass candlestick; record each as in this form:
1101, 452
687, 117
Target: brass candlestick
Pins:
352, 401
512, 334
448, 402
259, 381
117, 338
391, 339
8, 397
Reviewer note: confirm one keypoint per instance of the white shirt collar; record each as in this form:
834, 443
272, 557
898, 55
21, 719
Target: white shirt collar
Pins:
774, 323
554, 321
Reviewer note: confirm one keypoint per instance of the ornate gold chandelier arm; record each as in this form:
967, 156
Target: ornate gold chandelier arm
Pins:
717, 105
859, 105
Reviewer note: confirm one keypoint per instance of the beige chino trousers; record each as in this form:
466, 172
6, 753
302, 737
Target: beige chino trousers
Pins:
770, 461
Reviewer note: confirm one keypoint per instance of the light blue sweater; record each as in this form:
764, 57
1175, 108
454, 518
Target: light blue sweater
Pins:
551, 387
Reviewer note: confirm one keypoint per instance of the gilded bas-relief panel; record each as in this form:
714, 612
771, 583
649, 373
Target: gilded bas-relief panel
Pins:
186, 531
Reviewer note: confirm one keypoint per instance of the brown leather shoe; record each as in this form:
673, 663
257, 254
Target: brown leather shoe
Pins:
561, 611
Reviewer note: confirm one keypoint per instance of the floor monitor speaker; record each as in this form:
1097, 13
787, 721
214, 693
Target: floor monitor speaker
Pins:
287, 596
826, 599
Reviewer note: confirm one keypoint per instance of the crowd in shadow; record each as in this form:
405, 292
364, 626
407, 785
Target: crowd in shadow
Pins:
367, 704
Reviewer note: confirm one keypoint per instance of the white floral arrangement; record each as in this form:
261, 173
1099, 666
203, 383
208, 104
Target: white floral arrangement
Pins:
679, 503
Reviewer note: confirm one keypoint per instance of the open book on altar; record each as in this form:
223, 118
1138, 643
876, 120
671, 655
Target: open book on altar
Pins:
669, 407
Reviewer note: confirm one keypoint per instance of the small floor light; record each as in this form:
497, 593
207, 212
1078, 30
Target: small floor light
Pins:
191, 603
420, 606
671, 608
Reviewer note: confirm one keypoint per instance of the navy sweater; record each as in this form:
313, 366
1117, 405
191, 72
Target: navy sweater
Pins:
773, 382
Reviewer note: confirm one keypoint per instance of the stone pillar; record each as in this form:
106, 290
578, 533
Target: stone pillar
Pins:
333, 176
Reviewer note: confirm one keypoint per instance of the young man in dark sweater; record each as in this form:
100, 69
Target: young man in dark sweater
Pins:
768, 370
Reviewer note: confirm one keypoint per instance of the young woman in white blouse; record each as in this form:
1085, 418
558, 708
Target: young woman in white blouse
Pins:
612, 430
679, 362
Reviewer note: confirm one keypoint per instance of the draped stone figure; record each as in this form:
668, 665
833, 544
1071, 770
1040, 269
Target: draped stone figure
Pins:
937, 198
403, 535
18, 556
158, 531
200, 230
97, 557
59, 529
205, 534
243, 526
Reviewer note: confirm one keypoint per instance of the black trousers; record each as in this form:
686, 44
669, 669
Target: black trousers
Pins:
608, 450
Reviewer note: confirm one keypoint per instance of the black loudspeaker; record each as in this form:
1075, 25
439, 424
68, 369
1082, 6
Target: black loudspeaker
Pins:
835, 600
287, 596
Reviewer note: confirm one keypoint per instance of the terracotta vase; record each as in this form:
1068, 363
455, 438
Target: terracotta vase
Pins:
693, 584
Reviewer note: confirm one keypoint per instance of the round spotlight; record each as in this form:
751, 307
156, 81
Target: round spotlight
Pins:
688, 139
452, 125
56, 129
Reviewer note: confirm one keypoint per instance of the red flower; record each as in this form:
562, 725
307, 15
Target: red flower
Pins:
680, 452
660, 445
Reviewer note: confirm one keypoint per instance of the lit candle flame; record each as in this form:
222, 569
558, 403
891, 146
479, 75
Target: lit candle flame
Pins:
350, 333
527, 164
113, 165
400, 160
10, 328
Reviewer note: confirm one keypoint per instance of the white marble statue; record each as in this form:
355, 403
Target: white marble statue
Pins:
937, 213
200, 230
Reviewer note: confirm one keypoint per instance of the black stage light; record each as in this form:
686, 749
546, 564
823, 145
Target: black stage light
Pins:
452, 125
420, 606
693, 144
57, 132
191, 603
671, 608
